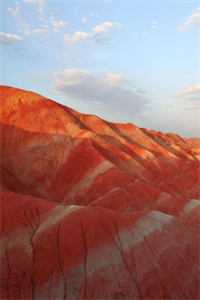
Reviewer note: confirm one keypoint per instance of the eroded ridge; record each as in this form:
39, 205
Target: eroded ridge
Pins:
94, 210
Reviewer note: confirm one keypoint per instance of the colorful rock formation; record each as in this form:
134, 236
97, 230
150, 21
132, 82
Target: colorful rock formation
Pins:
92, 209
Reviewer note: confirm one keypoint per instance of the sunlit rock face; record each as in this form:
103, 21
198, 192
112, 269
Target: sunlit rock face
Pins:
92, 209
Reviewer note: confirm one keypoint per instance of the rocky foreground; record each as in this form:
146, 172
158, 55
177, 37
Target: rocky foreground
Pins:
92, 209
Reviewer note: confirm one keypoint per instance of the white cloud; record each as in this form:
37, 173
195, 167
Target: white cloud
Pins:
114, 79
99, 32
109, 90
76, 37
9, 38
191, 92
105, 27
192, 21
58, 25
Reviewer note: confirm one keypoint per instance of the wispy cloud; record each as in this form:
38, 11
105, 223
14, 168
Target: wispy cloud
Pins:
14, 11
45, 25
9, 38
108, 89
99, 32
39, 4
191, 92
44, 29
192, 21
55, 26
21, 22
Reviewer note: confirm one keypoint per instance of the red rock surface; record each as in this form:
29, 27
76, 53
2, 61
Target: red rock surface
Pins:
92, 209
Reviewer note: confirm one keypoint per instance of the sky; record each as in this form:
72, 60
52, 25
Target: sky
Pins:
132, 61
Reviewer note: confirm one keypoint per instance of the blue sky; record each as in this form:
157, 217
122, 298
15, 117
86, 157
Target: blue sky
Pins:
132, 61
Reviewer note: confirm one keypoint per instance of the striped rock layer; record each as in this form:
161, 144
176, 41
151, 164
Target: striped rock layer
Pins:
92, 209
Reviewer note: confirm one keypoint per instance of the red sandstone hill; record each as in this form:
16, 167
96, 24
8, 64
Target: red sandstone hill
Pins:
92, 209
195, 146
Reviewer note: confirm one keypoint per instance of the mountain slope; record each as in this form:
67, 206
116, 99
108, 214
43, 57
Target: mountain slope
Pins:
84, 201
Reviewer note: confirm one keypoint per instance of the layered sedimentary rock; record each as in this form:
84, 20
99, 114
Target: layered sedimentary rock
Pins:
92, 209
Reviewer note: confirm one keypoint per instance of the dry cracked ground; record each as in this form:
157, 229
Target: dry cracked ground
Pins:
92, 209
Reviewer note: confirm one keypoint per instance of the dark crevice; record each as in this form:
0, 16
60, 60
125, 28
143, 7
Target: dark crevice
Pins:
85, 251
